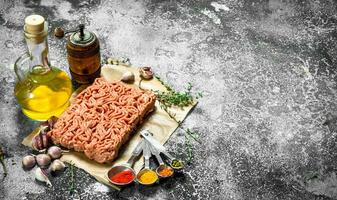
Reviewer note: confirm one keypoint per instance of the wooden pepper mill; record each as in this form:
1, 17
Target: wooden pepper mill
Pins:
83, 54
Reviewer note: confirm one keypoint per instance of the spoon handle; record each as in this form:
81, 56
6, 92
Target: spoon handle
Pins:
148, 136
156, 154
161, 149
136, 152
147, 155
168, 155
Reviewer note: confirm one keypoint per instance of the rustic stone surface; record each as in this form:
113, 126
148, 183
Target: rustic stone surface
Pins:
268, 117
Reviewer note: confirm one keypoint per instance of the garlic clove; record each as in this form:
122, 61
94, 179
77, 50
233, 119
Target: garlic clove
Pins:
28, 162
48, 124
128, 77
43, 160
41, 176
57, 165
55, 152
51, 122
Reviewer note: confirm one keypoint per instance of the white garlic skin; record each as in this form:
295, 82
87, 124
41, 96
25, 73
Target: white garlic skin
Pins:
128, 77
55, 152
40, 175
28, 162
57, 165
43, 160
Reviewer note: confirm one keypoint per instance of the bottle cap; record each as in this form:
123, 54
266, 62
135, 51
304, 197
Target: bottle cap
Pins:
34, 24
36, 29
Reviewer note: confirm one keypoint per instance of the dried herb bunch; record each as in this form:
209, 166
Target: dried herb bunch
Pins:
171, 98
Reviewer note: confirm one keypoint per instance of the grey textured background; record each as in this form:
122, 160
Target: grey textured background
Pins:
267, 68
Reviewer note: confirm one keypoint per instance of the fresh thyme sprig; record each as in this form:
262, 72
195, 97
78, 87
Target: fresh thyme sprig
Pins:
171, 98
72, 186
168, 87
193, 134
189, 149
180, 99
188, 135
188, 143
2, 158
117, 61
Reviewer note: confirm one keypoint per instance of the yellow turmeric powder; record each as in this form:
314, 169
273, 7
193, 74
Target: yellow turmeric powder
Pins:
148, 177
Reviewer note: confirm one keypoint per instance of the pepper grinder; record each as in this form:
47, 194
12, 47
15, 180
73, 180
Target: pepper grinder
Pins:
83, 54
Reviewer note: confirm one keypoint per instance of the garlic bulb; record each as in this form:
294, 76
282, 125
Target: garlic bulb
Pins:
55, 152
48, 124
40, 141
146, 73
41, 175
59, 32
57, 165
128, 77
43, 160
28, 162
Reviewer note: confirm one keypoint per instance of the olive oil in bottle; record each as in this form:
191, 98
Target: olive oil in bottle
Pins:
41, 90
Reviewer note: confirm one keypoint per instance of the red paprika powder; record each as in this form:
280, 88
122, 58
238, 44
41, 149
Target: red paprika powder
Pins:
123, 177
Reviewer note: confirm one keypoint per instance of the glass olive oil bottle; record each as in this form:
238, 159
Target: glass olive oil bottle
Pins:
41, 90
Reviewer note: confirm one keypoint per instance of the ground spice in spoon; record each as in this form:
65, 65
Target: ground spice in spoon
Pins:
177, 164
123, 177
147, 177
165, 171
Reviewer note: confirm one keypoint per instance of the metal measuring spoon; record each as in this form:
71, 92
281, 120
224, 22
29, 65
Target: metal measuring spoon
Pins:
162, 166
127, 166
146, 169
148, 136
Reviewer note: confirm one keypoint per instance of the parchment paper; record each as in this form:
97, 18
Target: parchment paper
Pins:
158, 122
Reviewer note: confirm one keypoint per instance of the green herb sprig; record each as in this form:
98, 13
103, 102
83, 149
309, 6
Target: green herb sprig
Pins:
2, 161
188, 143
72, 174
170, 98
167, 86
117, 61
